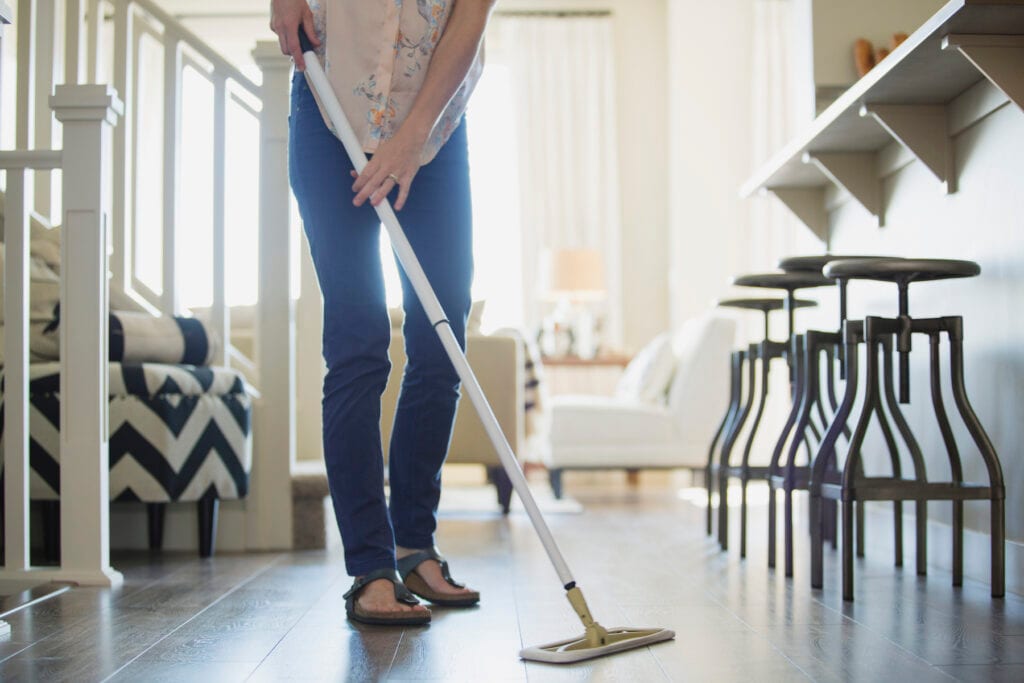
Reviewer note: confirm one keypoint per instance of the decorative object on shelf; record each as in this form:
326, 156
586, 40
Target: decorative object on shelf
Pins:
866, 56
575, 282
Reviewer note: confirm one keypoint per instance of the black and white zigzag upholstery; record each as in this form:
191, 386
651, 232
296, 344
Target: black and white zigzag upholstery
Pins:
177, 432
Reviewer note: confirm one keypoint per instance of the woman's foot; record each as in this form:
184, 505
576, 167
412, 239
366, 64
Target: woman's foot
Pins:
379, 596
429, 570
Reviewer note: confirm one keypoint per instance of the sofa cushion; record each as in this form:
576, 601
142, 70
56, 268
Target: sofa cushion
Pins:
600, 431
648, 375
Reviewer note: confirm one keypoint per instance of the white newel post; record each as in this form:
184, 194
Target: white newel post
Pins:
268, 508
88, 114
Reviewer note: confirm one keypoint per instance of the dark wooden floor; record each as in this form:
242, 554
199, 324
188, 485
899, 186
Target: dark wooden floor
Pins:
640, 557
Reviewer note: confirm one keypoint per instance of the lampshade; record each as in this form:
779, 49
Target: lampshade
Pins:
576, 273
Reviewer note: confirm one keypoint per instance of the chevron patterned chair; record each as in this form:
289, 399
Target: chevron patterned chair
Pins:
178, 433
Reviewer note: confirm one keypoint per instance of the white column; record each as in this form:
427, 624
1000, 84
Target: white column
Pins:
268, 508
88, 114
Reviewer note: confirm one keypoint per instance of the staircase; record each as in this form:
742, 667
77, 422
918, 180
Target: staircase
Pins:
160, 74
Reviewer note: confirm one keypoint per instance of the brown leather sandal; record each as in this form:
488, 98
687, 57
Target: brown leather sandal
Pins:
402, 595
407, 569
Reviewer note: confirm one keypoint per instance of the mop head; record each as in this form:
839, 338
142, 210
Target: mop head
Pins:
578, 649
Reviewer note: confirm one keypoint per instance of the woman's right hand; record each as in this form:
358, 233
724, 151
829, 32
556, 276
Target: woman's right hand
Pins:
286, 16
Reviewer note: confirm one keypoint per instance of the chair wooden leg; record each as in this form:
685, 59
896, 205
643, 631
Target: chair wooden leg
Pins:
50, 510
772, 522
503, 485
555, 477
155, 514
207, 507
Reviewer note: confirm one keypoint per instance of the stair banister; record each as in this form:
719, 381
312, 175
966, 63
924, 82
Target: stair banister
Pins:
88, 114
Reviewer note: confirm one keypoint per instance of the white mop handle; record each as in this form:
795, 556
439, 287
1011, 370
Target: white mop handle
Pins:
425, 293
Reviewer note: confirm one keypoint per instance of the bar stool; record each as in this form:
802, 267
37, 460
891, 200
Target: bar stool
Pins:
738, 410
800, 429
878, 333
766, 351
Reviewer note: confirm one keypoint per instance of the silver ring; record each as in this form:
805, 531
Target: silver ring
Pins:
393, 177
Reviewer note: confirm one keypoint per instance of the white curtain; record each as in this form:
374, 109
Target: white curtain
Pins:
560, 71
775, 118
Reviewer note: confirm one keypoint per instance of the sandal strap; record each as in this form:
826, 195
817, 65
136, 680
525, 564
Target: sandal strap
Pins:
402, 594
407, 565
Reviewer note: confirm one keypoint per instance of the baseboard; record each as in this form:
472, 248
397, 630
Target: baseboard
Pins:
128, 527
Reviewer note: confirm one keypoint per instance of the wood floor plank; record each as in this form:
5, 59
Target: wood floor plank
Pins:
640, 557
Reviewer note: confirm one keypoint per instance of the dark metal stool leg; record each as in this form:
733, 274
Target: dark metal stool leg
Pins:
734, 432
766, 358
775, 469
824, 462
988, 453
735, 363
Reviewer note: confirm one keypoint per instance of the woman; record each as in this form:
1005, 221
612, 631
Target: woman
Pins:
403, 71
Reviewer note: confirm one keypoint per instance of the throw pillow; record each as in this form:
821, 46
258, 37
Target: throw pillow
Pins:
649, 374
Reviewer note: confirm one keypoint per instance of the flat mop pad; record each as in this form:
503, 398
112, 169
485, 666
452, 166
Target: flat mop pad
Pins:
596, 641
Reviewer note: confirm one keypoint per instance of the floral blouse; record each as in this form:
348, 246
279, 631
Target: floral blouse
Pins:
376, 53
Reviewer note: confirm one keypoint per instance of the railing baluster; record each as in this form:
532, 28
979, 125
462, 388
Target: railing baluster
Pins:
123, 223
43, 126
26, 82
172, 143
94, 14
221, 318
16, 287
74, 40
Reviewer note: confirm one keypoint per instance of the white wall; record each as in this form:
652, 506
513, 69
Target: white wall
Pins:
837, 24
710, 143
641, 52
984, 222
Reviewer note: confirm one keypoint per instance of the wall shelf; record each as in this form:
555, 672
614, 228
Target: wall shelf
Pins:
904, 99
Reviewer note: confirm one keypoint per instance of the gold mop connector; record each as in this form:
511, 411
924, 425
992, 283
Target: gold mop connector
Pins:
596, 634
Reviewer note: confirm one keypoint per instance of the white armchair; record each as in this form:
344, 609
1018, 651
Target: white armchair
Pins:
664, 413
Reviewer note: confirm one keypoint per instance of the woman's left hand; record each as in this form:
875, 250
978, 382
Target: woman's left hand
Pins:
396, 158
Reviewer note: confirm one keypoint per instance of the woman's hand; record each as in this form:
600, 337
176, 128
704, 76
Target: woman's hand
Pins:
285, 18
395, 162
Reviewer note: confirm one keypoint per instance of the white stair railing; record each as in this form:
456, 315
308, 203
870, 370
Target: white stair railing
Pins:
129, 26
88, 114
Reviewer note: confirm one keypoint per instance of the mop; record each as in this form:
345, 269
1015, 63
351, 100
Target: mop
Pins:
596, 640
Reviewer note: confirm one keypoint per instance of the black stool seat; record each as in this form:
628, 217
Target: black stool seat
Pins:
815, 263
901, 270
764, 305
787, 281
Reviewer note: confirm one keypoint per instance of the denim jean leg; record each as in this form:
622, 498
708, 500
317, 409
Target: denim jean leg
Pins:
437, 218
344, 244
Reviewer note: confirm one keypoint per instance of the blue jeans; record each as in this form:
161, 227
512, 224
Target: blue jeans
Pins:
345, 246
